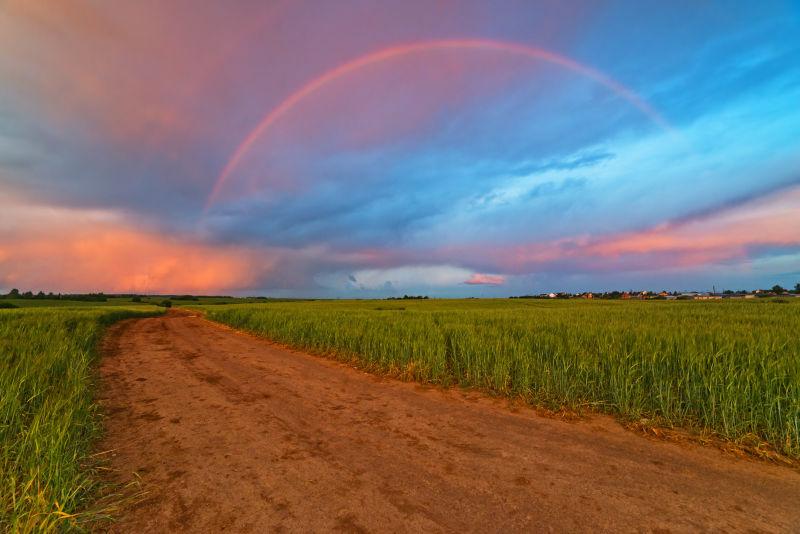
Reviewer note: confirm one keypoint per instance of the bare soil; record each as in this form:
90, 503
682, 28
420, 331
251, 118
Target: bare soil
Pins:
232, 433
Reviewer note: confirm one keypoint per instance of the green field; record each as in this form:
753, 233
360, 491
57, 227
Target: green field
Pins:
65, 303
728, 367
48, 420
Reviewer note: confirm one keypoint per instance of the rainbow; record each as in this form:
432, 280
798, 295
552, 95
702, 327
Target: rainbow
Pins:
393, 52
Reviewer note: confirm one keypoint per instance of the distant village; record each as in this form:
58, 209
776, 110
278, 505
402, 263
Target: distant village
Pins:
774, 291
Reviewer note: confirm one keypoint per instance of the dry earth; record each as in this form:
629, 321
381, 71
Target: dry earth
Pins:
230, 432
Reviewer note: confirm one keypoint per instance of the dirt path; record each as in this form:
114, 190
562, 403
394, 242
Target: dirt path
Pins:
229, 432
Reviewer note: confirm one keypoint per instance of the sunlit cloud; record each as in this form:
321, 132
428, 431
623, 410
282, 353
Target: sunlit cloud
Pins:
93, 250
733, 233
478, 279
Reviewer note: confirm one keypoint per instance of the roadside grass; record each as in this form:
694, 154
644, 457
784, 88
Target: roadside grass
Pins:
730, 368
48, 420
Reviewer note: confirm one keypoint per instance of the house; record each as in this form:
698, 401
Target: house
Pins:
626, 295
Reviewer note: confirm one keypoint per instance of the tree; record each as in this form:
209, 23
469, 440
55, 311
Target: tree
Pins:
778, 289
14, 293
797, 288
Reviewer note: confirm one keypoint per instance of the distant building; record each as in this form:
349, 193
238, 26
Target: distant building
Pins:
708, 296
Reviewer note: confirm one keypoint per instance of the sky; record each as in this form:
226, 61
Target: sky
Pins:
360, 149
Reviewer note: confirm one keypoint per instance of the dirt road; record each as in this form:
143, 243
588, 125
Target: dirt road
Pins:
229, 432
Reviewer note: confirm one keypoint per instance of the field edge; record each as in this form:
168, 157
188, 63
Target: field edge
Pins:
748, 447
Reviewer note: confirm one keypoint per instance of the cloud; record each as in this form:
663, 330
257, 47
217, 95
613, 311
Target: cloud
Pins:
485, 279
89, 250
128, 71
95, 250
732, 233
397, 278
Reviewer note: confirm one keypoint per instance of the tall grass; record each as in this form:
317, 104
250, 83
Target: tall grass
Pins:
729, 367
47, 417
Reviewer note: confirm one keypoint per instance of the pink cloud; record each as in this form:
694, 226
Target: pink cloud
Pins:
80, 250
478, 279
134, 72
729, 234
56, 249
90, 250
